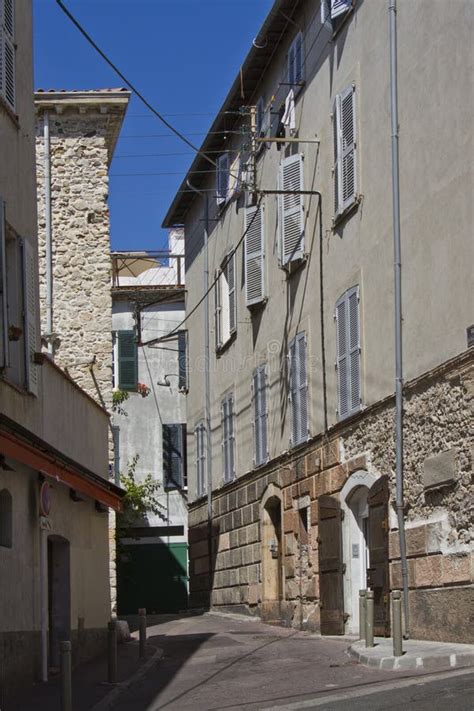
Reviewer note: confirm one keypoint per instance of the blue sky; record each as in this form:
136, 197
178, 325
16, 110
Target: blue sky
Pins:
182, 54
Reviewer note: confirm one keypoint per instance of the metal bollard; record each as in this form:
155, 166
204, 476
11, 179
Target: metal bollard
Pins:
112, 652
142, 632
397, 623
65, 667
369, 618
362, 613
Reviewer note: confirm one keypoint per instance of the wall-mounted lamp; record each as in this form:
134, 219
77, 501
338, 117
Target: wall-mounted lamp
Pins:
165, 379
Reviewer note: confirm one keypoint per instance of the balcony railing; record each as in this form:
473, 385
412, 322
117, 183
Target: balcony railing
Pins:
147, 269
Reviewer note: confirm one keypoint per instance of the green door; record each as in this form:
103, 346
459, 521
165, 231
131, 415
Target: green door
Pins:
153, 576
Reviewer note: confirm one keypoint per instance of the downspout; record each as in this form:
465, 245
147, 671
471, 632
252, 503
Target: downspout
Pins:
207, 380
392, 10
48, 233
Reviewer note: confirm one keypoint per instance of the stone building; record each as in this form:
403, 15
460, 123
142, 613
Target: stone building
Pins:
80, 131
54, 487
296, 512
150, 425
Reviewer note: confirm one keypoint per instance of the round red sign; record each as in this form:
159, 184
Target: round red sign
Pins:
45, 499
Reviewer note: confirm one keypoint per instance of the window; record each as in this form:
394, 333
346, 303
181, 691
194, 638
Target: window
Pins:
295, 60
348, 353
127, 357
303, 525
222, 178
7, 52
18, 307
259, 407
225, 298
260, 115
182, 361
298, 389
6, 523
345, 164
228, 438
199, 443
334, 10
254, 255
291, 210
174, 456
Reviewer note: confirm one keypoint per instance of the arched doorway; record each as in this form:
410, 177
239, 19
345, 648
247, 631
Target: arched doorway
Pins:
272, 553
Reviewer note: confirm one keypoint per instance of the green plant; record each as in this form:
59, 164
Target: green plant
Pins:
118, 398
141, 498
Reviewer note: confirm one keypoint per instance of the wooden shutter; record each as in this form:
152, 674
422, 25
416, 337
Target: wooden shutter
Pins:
200, 459
259, 398
218, 310
228, 437
31, 315
225, 438
348, 353
231, 437
256, 418
337, 171
230, 270
331, 593
298, 59
174, 456
254, 255
338, 7
222, 178
182, 364
291, 209
298, 389
378, 573
127, 360
4, 350
344, 121
7, 53
293, 393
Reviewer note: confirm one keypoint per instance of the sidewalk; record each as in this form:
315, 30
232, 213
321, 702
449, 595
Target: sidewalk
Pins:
417, 654
90, 689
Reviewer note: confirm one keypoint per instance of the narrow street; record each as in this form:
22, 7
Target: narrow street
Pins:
223, 662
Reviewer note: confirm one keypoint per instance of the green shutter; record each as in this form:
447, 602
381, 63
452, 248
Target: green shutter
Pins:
174, 455
127, 360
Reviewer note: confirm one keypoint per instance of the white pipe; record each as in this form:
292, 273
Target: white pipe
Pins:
44, 603
48, 233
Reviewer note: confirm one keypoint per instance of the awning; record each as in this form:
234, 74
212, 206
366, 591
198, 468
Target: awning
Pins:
47, 463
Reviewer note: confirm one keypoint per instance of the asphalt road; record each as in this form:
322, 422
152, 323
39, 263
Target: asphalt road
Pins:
216, 662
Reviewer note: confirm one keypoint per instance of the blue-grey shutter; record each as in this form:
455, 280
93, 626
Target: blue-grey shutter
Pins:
348, 141
293, 393
218, 310
174, 438
232, 293
222, 178
231, 437
182, 361
291, 209
302, 386
30, 275
127, 360
256, 418
325, 10
199, 450
4, 350
7, 53
254, 255
338, 7
224, 426
348, 352
337, 171
263, 414
299, 59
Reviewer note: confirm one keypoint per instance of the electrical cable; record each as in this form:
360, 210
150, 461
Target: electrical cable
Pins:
213, 283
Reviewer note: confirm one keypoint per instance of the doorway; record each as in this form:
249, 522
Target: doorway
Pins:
359, 546
271, 513
59, 596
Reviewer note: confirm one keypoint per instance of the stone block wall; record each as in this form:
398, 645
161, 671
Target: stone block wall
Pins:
439, 521
82, 302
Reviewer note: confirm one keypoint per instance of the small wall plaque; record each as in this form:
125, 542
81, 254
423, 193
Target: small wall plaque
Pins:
355, 550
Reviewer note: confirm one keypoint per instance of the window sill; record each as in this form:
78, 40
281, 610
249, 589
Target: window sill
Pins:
224, 346
347, 212
341, 22
9, 111
19, 388
294, 265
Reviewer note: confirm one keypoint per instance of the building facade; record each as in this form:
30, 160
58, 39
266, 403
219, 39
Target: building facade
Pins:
76, 135
54, 488
150, 424
296, 513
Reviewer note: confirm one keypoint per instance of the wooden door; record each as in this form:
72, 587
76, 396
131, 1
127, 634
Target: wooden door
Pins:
330, 565
378, 572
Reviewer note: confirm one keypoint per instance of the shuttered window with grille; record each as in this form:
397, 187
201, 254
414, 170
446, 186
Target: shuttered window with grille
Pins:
259, 408
226, 302
254, 255
298, 389
348, 353
295, 67
345, 155
291, 209
7, 52
222, 179
127, 361
174, 456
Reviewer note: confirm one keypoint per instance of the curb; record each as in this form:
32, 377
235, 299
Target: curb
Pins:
439, 661
112, 696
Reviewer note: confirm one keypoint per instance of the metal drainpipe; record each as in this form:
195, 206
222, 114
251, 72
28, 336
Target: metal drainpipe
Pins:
392, 13
48, 233
207, 380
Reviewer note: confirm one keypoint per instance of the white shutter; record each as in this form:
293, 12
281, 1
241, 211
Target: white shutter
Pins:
291, 209
255, 418
325, 10
345, 183
30, 277
222, 178
263, 414
7, 53
232, 293
337, 172
294, 393
338, 7
302, 387
4, 350
348, 352
230, 430
200, 459
218, 311
254, 255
